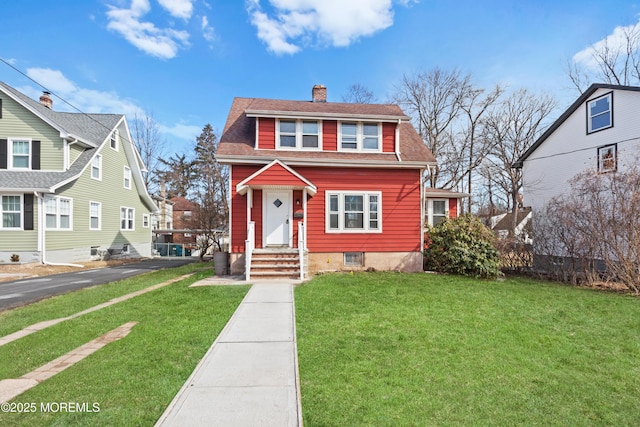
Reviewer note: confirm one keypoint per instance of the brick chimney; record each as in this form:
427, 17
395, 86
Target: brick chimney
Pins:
319, 93
46, 100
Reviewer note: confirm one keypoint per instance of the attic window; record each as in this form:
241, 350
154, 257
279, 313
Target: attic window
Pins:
599, 113
113, 143
360, 136
302, 134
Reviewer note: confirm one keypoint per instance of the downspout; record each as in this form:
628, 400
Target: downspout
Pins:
397, 144
42, 235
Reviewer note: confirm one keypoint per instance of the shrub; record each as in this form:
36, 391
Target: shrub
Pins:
462, 246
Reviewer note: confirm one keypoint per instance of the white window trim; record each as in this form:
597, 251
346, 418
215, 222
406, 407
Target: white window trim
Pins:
609, 111
299, 135
430, 213
114, 139
58, 213
127, 171
99, 215
10, 159
601, 151
145, 221
21, 227
98, 158
133, 219
366, 213
360, 137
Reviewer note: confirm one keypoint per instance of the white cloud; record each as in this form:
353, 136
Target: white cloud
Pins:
298, 23
85, 100
615, 42
159, 42
178, 8
182, 131
207, 30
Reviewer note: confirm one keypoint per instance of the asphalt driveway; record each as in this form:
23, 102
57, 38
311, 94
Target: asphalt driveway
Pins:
24, 291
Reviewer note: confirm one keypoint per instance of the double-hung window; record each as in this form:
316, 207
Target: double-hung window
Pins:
437, 212
608, 158
360, 136
96, 167
303, 134
127, 178
354, 212
20, 154
58, 213
95, 215
127, 216
11, 209
600, 113
113, 140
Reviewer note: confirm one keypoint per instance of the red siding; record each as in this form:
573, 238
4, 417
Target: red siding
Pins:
329, 135
266, 133
256, 216
276, 175
297, 209
401, 222
453, 208
239, 208
388, 137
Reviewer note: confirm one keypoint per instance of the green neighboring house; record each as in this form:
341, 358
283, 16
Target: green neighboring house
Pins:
71, 185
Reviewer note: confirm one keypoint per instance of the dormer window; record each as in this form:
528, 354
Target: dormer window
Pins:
304, 134
599, 113
360, 136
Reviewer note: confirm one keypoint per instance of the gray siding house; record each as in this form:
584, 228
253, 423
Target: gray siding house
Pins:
71, 185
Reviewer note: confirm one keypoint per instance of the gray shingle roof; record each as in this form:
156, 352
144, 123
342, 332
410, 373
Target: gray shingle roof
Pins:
91, 129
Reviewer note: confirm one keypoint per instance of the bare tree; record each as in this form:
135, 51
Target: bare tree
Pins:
475, 143
616, 60
211, 192
359, 94
434, 100
151, 146
592, 232
513, 128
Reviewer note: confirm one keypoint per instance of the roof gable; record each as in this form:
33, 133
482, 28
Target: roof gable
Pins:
276, 173
569, 111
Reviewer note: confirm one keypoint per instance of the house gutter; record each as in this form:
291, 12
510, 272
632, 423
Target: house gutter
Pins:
42, 234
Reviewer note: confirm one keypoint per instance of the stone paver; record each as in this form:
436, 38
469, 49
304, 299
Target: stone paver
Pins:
11, 388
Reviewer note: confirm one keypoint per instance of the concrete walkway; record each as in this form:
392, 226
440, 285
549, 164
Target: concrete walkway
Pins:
249, 376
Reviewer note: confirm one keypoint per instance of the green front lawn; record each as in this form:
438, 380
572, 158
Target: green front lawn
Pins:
132, 380
418, 349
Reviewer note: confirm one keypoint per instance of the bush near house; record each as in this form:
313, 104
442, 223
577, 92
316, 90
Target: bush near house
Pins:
464, 246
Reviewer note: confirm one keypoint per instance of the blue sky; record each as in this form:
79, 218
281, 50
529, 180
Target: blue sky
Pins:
183, 61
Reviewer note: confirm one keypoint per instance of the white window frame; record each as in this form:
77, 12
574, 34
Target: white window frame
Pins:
430, 210
113, 140
58, 213
99, 215
96, 164
127, 218
299, 135
360, 137
590, 117
11, 155
612, 150
366, 212
145, 221
20, 211
126, 179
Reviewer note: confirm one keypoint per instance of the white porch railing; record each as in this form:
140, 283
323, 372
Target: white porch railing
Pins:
249, 245
302, 245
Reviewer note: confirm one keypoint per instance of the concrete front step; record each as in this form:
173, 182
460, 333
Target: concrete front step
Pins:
275, 263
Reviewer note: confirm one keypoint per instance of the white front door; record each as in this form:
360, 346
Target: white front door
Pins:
276, 218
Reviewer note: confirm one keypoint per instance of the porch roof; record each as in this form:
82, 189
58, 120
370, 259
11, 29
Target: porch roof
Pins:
276, 174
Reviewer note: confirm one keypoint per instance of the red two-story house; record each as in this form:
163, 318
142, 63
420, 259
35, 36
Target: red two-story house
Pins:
323, 186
